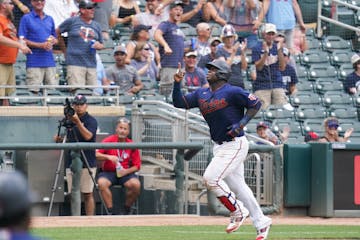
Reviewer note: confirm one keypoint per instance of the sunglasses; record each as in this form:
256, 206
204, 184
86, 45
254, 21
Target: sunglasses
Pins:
89, 8
38, 1
334, 126
146, 49
119, 54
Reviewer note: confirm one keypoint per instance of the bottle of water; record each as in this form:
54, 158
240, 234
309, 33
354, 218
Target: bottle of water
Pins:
22, 40
92, 49
118, 169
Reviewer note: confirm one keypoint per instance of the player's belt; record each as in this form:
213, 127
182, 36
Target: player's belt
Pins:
227, 140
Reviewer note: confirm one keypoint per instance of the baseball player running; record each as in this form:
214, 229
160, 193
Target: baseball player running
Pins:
223, 106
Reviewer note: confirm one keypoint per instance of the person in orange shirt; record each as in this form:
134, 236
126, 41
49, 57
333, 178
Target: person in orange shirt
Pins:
9, 46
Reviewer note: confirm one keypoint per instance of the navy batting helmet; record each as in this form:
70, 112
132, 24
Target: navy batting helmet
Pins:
223, 69
15, 196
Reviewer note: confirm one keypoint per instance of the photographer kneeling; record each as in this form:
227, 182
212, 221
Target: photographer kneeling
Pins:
81, 127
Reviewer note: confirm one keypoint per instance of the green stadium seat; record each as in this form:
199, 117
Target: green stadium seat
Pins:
322, 71
315, 125
314, 56
344, 112
333, 99
339, 57
326, 84
344, 70
305, 98
332, 42
304, 112
273, 112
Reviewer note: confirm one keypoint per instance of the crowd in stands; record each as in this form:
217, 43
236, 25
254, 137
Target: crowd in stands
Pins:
259, 40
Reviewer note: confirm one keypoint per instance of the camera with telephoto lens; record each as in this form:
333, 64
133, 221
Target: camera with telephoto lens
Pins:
68, 110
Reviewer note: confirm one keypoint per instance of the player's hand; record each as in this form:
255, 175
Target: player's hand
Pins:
235, 130
179, 75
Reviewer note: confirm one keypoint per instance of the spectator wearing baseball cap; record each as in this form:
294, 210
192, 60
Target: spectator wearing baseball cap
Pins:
214, 43
82, 45
331, 133
311, 137
122, 74
289, 76
352, 81
141, 33
269, 62
79, 100
263, 131
234, 54
194, 76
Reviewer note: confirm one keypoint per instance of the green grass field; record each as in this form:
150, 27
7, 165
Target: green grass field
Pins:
197, 233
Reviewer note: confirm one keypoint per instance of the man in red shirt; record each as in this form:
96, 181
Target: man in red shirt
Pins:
9, 46
119, 167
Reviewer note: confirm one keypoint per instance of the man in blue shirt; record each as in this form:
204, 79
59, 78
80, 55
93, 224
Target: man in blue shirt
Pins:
194, 76
289, 76
82, 127
38, 30
171, 46
269, 61
352, 81
223, 107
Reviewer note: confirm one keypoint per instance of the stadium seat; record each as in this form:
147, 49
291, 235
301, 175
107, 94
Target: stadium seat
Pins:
332, 42
311, 57
277, 112
344, 112
305, 112
322, 71
305, 98
305, 86
21, 99
314, 43
315, 125
327, 84
345, 15
344, 70
339, 57
302, 72
52, 100
345, 124
334, 99
278, 126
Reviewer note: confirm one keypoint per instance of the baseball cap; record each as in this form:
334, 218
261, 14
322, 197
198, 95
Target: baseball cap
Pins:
175, 4
228, 31
286, 52
355, 58
333, 123
86, 4
79, 99
120, 48
269, 27
261, 124
215, 39
15, 196
139, 28
311, 136
193, 53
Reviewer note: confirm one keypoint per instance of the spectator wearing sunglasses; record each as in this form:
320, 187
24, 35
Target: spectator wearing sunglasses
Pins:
331, 125
143, 61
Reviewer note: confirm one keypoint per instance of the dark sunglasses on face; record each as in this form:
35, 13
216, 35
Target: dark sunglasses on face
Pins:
89, 8
334, 126
146, 49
